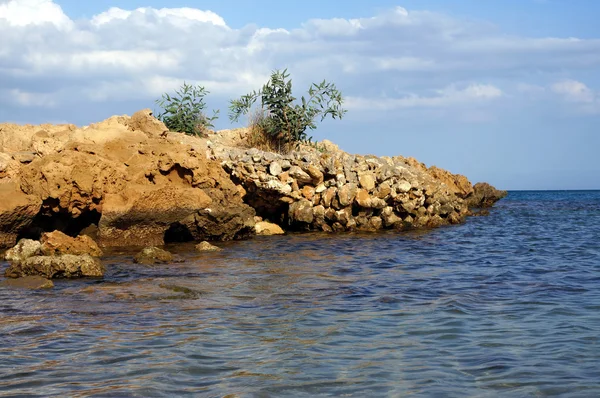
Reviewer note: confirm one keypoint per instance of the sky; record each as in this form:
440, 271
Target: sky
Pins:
504, 91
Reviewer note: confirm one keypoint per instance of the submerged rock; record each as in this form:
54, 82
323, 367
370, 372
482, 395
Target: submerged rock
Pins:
152, 256
27, 282
64, 266
207, 247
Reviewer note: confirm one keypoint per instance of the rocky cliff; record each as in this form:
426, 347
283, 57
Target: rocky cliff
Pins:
128, 181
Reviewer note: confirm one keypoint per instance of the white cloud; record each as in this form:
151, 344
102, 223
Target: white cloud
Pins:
397, 59
573, 90
33, 12
183, 15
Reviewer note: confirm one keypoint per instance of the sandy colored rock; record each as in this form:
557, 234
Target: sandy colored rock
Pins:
485, 195
207, 247
457, 183
27, 282
124, 174
57, 243
51, 267
267, 228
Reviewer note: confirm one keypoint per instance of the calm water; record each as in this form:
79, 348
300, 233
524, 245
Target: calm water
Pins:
505, 305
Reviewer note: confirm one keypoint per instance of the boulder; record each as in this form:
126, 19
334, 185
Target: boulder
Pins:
153, 255
57, 243
207, 247
266, 228
52, 267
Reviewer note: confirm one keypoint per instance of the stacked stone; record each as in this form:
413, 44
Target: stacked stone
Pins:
336, 191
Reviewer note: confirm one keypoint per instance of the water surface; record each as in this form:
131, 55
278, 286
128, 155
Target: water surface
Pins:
504, 305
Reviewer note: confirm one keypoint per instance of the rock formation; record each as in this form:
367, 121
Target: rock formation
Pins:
138, 185
127, 181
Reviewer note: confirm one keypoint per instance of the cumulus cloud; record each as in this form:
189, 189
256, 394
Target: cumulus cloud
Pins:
397, 59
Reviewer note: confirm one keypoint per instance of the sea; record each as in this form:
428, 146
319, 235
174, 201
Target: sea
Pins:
504, 305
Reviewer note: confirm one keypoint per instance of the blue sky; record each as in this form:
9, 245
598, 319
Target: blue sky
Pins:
501, 91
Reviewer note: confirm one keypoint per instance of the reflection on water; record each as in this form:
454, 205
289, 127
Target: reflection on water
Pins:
504, 305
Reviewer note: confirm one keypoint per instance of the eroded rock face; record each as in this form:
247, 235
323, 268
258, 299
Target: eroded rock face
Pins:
128, 176
64, 266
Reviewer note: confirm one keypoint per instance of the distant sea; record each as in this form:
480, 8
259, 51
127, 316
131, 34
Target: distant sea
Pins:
503, 305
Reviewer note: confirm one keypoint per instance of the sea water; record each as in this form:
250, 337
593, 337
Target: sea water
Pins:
503, 305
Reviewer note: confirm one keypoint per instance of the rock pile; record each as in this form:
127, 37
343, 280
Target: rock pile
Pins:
336, 191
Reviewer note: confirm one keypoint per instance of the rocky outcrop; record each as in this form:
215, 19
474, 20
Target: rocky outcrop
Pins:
139, 184
485, 195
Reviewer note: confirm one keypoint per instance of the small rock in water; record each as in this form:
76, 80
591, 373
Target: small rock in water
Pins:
65, 266
153, 255
28, 282
207, 247
266, 228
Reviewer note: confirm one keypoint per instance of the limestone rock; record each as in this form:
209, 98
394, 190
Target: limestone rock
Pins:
299, 175
301, 212
57, 243
346, 194
207, 247
52, 267
23, 250
153, 255
267, 228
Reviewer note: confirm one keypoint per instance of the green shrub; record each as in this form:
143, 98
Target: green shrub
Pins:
281, 119
184, 111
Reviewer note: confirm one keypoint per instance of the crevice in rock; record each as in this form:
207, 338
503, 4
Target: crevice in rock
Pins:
178, 233
48, 220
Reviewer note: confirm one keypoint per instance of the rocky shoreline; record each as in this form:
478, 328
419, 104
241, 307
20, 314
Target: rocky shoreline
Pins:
128, 181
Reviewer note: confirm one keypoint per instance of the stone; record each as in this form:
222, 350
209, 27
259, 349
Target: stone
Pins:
57, 243
153, 255
53, 267
267, 229
207, 247
222, 223
328, 196
34, 282
23, 250
320, 188
367, 181
376, 223
301, 212
403, 186
315, 174
308, 192
299, 175
278, 187
275, 169
389, 217
346, 194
